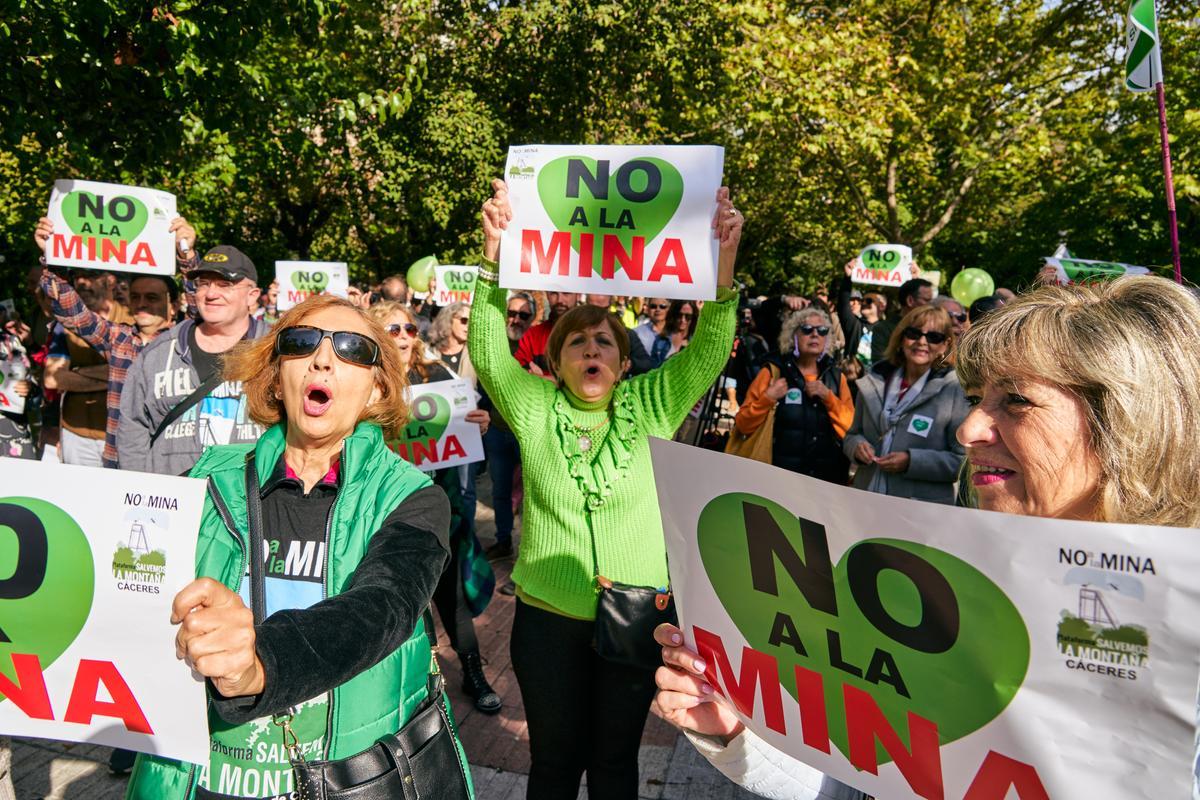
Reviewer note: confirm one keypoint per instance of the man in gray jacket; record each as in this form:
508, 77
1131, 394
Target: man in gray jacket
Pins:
175, 403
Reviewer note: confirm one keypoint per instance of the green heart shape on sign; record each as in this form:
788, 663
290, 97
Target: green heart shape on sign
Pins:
1081, 272
47, 596
925, 632
920, 424
639, 198
430, 418
315, 281
114, 218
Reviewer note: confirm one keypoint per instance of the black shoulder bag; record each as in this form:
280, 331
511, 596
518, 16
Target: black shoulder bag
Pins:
626, 617
185, 405
418, 762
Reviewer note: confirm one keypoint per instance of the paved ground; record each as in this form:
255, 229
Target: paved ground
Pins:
497, 746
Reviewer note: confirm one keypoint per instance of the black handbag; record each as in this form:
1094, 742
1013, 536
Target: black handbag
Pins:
626, 617
418, 762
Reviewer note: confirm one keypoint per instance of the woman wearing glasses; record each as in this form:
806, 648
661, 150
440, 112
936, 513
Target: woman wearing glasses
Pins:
352, 541
810, 397
909, 406
451, 604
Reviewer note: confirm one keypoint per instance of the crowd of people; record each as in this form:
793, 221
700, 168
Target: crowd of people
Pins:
288, 416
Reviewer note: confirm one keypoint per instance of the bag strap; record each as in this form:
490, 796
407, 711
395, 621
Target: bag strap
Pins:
258, 585
185, 405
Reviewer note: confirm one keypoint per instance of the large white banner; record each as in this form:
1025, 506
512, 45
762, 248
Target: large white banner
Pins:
918, 650
92, 559
112, 227
609, 219
300, 280
438, 434
1069, 270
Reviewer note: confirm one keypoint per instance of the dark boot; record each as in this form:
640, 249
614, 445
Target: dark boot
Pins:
475, 685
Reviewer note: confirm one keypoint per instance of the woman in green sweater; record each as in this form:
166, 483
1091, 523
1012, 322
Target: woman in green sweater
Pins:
590, 509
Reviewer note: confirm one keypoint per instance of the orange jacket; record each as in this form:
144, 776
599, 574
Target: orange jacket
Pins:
757, 405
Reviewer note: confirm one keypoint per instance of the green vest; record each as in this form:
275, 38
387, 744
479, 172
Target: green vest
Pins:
373, 482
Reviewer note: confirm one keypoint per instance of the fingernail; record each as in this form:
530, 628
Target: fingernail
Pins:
705, 689
676, 638
699, 664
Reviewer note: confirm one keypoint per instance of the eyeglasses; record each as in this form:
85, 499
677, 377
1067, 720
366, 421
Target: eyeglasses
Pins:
658, 306
915, 334
302, 340
821, 330
958, 316
524, 316
463, 320
395, 330
866, 301
684, 315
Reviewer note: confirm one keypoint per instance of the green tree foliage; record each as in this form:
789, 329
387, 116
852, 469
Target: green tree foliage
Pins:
982, 133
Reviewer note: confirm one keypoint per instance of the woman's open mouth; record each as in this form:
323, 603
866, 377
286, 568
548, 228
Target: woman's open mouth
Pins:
592, 372
317, 399
983, 475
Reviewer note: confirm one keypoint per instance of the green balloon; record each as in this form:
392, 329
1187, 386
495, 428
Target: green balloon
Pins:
970, 285
421, 273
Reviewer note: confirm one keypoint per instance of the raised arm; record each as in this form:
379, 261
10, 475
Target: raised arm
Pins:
520, 397
69, 309
670, 391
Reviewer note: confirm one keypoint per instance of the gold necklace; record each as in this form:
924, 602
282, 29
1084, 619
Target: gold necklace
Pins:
585, 441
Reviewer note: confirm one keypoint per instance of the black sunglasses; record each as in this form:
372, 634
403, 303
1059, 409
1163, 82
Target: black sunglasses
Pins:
524, 315
301, 340
914, 334
658, 306
958, 316
820, 329
394, 330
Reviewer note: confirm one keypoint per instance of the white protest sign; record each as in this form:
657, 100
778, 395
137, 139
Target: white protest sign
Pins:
93, 558
438, 434
112, 227
912, 649
300, 280
1080, 270
454, 284
9, 306
883, 265
13, 370
612, 219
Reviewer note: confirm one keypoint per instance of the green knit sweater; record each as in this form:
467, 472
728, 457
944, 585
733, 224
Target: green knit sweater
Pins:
610, 488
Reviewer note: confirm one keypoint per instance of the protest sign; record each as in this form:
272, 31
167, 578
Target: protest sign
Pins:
438, 434
612, 220
13, 370
454, 284
10, 307
1079, 270
92, 559
912, 649
112, 227
300, 280
883, 265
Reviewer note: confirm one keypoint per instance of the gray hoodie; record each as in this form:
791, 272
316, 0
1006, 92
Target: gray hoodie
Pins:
159, 378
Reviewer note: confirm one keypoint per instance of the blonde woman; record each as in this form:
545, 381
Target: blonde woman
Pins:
1062, 385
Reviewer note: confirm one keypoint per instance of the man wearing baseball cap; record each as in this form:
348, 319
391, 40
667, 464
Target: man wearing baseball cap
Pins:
175, 403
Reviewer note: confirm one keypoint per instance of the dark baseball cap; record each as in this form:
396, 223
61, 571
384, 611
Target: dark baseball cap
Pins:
855, 294
228, 262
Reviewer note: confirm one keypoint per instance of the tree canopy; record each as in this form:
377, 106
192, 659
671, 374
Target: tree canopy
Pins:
981, 133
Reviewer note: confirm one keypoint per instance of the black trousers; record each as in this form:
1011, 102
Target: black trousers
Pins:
452, 608
585, 714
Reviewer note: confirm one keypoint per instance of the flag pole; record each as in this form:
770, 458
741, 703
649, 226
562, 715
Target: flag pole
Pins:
1172, 219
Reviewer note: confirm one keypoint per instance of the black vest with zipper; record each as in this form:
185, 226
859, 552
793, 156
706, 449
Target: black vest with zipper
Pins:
805, 440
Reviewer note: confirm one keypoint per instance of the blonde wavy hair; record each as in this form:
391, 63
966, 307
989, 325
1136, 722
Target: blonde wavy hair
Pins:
255, 364
1130, 349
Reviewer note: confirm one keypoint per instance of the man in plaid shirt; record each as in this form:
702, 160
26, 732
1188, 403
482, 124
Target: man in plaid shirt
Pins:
153, 299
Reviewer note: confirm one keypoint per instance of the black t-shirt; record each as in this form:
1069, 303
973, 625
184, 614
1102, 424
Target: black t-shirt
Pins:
452, 361
207, 364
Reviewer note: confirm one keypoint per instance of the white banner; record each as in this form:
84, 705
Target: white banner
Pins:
93, 559
438, 434
300, 280
911, 649
454, 284
612, 219
883, 265
112, 227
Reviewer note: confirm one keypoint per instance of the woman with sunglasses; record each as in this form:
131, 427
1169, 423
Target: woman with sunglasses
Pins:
590, 510
810, 397
353, 540
448, 597
909, 406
